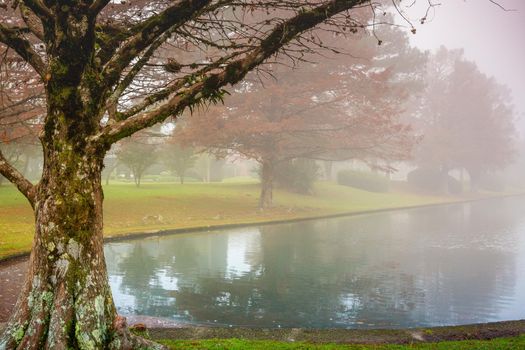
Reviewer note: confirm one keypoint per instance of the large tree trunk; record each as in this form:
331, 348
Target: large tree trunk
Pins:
267, 174
66, 300
328, 167
443, 175
137, 175
475, 176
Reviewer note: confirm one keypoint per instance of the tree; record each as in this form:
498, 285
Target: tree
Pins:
108, 70
297, 175
138, 157
20, 112
23, 153
110, 165
466, 119
351, 109
179, 159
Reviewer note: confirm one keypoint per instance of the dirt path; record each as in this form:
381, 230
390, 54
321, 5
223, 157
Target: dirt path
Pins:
12, 274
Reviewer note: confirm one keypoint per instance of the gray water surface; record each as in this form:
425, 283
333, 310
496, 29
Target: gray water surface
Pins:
445, 265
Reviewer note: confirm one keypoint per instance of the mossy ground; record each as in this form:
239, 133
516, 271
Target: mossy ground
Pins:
161, 206
238, 344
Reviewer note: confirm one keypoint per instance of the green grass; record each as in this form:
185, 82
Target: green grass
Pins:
128, 209
237, 344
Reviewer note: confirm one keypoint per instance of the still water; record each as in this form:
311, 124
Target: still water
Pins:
446, 265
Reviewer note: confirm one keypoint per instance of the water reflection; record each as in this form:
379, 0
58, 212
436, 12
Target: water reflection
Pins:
434, 266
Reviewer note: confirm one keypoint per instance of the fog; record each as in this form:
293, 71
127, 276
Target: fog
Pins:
489, 37
368, 172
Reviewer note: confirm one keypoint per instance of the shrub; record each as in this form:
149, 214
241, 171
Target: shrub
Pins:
454, 185
297, 175
425, 179
492, 182
363, 180
429, 179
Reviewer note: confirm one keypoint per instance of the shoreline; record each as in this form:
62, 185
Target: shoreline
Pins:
160, 330
416, 335
208, 228
480, 331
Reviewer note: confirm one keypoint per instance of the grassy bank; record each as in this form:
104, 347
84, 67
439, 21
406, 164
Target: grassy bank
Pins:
496, 335
237, 344
163, 206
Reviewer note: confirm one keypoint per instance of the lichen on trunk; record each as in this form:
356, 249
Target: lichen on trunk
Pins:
66, 301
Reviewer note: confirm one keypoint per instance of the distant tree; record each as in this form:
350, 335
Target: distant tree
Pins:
178, 159
466, 119
138, 157
12, 154
208, 167
351, 110
21, 111
24, 153
110, 164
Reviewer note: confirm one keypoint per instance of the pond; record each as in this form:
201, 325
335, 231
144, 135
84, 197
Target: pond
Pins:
443, 265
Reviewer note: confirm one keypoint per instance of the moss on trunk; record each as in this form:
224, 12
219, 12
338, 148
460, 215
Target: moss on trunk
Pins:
66, 300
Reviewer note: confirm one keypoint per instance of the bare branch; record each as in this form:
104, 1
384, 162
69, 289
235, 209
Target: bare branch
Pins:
147, 32
204, 88
128, 79
98, 6
14, 176
179, 84
32, 21
38, 7
501, 6
12, 38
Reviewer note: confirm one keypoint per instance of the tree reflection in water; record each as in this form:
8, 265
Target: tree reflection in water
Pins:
443, 265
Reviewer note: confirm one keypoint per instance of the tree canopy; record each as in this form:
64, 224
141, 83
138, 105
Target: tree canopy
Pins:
466, 118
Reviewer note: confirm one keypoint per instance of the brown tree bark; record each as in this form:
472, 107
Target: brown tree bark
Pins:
66, 300
475, 176
137, 178
267, 175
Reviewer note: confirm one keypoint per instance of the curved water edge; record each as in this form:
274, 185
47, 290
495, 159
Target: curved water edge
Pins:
485, 331
174, 231
447, 265
430, 266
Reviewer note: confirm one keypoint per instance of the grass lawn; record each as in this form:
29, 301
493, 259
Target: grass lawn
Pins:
236, 344
157, 206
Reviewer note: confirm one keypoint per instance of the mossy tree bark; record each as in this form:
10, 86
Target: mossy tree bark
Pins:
66, 301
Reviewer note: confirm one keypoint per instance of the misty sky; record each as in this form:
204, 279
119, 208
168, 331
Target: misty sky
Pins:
495, 39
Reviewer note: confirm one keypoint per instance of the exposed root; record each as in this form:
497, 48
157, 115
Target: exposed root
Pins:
122, 339
125, 340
